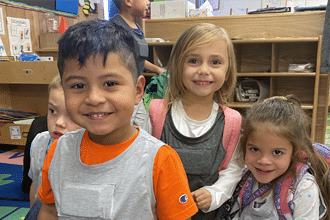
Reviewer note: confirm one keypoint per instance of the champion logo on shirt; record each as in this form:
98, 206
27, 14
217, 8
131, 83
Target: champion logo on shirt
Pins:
183, 199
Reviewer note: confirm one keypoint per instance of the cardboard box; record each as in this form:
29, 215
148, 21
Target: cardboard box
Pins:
49, 40
168, 9
15, 134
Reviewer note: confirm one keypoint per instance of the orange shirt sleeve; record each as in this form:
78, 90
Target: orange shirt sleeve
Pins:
45, 192
173, 196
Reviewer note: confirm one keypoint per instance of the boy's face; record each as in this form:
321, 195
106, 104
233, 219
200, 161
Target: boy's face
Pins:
58, 121
140, 7
102, 98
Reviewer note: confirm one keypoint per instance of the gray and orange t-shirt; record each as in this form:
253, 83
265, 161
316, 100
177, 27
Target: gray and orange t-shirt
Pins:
169, 183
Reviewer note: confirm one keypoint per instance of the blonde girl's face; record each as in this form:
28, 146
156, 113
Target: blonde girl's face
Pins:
268, 155
205, 69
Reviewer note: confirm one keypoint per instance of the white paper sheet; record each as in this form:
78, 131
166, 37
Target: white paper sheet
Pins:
19, 35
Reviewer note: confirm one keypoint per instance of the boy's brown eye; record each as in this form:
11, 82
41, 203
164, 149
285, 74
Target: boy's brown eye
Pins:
110, 83
78, 86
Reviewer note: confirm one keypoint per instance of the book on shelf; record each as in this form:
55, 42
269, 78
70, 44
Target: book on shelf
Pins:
11, 115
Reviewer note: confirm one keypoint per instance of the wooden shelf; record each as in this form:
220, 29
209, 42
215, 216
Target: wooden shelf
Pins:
267, 74
275, 40
265, 46
45, 50
251, 40
250, 104
27, 72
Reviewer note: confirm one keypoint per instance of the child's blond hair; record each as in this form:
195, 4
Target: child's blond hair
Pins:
55, 83
196, 36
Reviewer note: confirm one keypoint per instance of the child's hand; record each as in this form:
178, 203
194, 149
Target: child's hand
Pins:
202, 198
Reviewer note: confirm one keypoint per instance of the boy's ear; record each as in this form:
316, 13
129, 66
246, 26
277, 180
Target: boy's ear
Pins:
141, 81
128, 2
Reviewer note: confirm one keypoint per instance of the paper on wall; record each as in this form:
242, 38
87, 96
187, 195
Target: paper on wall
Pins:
273, 3
2, 26
295, 3
2, 49
208, 7
205, 10
19, 35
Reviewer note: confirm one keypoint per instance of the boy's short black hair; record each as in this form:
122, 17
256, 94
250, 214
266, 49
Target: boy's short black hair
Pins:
97, 37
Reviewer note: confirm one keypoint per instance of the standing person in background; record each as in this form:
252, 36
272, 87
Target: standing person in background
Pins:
129, 12
204, 132
58, 123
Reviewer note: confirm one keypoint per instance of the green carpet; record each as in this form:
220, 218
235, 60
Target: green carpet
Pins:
12, 213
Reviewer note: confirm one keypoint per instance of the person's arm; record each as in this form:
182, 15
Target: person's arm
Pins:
32, 195
47, 211
45, 193
224, 187
307, 200
153, 68
172, 193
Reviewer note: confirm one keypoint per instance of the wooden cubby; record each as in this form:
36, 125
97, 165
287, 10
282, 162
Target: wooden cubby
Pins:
24, 85
264, 52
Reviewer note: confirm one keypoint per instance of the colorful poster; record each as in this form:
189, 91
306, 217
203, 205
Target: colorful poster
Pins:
19, 35
2, 26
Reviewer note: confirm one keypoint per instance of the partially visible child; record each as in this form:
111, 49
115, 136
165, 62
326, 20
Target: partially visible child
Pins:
279, 153
130, 11
58, 123
204, 132
110, 169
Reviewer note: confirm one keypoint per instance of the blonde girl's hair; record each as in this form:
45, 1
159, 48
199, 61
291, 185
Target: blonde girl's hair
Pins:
196, 36
284, 117
55, 83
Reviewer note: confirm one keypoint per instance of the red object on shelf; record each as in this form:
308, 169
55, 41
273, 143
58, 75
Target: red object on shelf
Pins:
63, 25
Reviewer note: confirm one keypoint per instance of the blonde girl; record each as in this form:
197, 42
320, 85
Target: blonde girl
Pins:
278, 151
193, 118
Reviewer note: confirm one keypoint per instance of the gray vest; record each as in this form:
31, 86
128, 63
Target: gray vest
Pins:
201, 157
121, 188
39, 151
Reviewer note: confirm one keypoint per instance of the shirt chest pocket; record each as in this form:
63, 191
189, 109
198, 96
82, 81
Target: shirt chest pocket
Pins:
85, 200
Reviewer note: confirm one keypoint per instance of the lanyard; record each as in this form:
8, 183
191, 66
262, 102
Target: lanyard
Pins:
248, 197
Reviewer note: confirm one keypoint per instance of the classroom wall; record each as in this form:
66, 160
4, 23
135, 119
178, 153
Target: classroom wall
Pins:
36, 18
236, 7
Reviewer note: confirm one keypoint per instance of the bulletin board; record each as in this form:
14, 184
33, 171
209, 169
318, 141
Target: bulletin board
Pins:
49, 4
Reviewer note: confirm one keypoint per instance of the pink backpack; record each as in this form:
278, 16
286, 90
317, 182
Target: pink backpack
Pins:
233, 121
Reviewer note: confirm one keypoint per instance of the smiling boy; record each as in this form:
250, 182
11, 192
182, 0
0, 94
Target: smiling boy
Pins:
110, 169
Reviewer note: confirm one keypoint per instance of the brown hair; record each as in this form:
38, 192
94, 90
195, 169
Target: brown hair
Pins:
195, 36
289, 120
